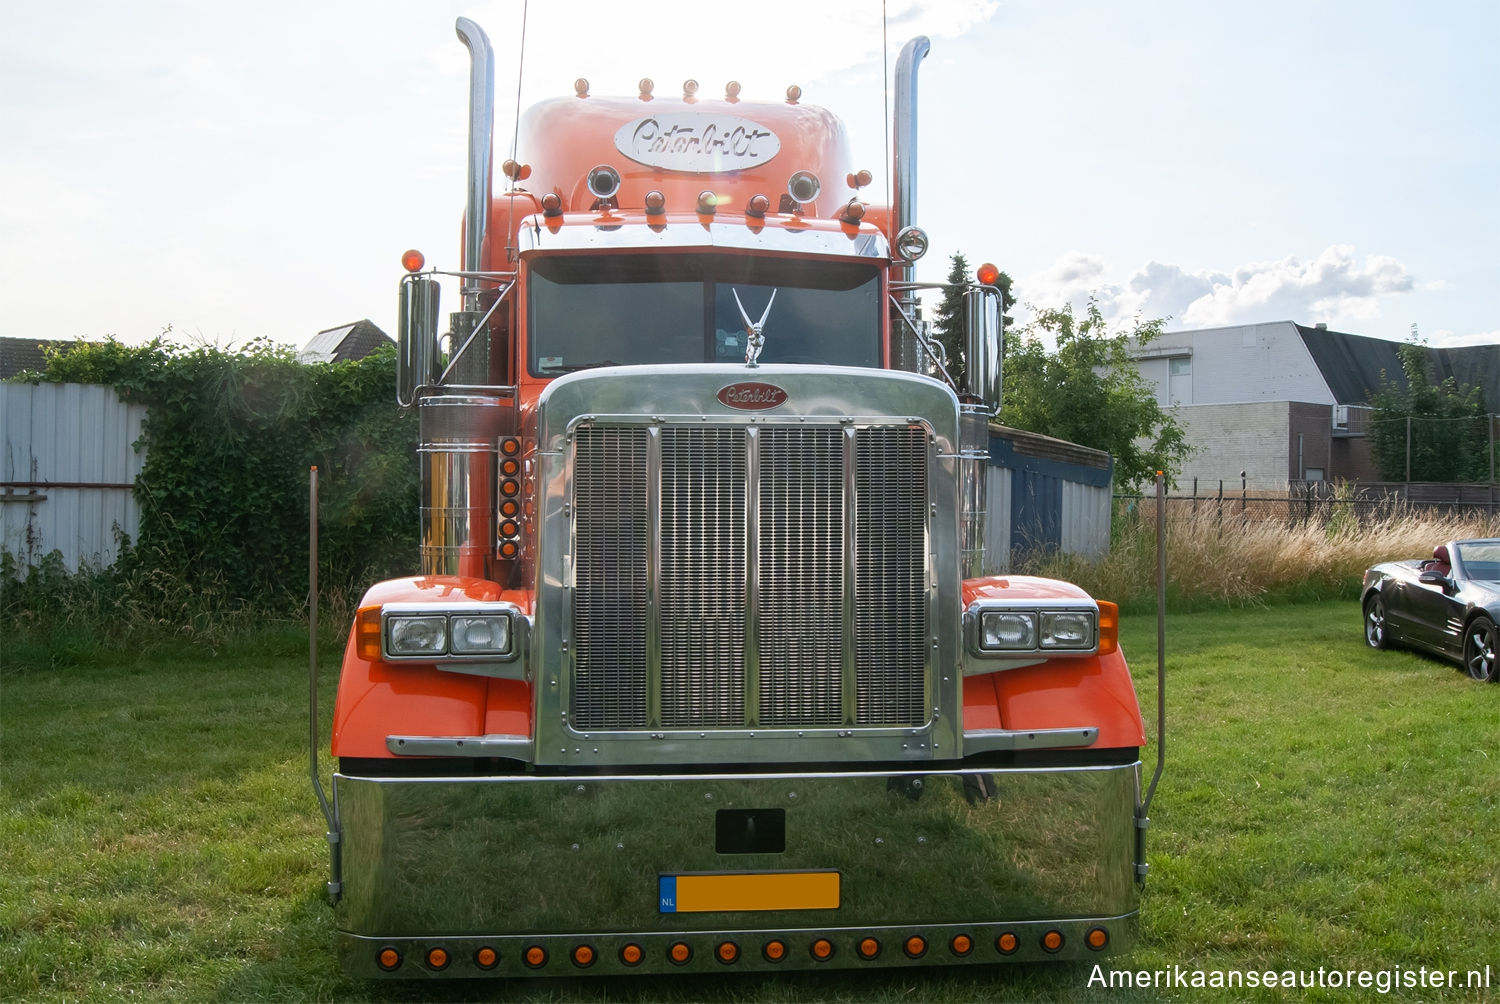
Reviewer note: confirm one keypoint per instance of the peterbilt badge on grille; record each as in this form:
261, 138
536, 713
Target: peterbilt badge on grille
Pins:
752, 396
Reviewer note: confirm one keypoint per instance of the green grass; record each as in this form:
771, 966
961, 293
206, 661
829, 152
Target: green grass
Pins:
1324, 805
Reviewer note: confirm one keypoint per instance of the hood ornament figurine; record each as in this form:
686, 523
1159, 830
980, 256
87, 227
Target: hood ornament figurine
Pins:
756, 340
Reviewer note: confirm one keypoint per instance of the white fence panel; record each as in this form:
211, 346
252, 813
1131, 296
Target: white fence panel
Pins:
67, 471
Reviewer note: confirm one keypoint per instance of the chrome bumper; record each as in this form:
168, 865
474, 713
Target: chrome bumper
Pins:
522, 862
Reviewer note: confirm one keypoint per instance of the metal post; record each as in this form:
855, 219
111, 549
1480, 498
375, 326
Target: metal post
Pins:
1142, 817
334, 884
1408, 449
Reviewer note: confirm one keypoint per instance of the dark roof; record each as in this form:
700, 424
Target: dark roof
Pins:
1355, 367
18, 354
345, 342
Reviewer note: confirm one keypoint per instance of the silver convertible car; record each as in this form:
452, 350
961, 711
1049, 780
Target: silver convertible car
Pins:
1447, 604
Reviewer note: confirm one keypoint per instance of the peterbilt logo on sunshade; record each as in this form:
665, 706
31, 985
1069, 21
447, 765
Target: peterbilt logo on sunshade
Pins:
699, 142
752, 396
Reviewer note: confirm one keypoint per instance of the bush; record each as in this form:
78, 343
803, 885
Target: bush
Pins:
229, 438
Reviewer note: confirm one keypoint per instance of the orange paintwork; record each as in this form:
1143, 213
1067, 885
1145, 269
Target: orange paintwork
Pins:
1060, 693
377, 699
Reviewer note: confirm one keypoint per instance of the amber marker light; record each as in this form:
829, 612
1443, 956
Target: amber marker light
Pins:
822, 949
679, 953
389, 959
869, 948
1052, 941
412, 260
551, 204
1097, 938
961, 944
656, 203
509, 550
708, 203
437, 958
1007, 943
632, 955
510, 467
510, 507
486, 958
988, 274
1109, 627
510, 446
367, 636
509, 488
535, 956
583, 956
758, 206
728, 952
774, 951
915, 946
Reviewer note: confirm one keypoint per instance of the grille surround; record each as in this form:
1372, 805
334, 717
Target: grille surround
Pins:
750, 612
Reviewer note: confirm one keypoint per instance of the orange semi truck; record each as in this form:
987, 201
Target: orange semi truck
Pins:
702, 669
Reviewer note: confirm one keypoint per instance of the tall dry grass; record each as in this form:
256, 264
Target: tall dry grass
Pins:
1217, 560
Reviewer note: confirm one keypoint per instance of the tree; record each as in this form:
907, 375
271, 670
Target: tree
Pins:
948, 325
1089, 391
1439, 429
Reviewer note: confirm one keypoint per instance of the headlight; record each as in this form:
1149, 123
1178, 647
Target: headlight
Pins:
1072, 629
484, 634
1005, 630
457, 632
1039, 627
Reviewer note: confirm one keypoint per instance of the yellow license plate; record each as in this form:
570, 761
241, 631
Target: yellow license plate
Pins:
723, 891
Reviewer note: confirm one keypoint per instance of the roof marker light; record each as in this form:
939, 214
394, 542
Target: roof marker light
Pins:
708, 202
581, 87
732, 91
515, 171
656, 203
853, 211
412, 260
988, 274
860, 179
758, 206
647, 85
793, 94
690, 91
551, 204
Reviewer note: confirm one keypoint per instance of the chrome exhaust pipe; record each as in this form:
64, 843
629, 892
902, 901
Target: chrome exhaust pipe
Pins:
481, 154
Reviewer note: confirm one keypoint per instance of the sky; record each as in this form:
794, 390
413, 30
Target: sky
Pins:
227, 172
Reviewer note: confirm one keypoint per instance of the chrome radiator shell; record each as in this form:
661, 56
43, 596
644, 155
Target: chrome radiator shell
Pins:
723, 585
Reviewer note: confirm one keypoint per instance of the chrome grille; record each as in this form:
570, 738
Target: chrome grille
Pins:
749, 576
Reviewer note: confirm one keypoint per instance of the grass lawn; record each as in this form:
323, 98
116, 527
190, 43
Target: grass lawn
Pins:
1324, 805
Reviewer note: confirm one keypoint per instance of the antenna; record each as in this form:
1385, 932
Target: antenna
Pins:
515, 134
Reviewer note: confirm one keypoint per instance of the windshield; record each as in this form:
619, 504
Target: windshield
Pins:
1481, 559
614, 310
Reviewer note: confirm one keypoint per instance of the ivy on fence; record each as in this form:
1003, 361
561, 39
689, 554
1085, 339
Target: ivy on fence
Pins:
229, 438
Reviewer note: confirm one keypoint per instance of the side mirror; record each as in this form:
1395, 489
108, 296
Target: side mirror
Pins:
1435, 579
984, 346
416, 338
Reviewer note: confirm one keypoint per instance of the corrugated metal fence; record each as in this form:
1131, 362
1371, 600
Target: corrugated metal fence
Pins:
67, 471
1045, 495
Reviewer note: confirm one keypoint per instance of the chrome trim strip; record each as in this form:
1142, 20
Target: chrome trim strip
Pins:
580, 233
653, 576
509, 747
850, 668
752, 578
989, 740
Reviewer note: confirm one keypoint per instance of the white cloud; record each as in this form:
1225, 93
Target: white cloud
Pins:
1331, 287
1335, 288
1448, 340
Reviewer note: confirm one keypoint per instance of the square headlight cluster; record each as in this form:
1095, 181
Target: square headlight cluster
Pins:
1012, 630
424, 633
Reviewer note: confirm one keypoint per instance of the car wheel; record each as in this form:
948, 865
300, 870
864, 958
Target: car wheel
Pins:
1375, 632
1479, 649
